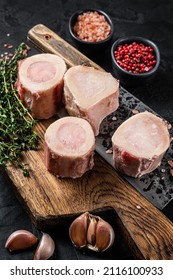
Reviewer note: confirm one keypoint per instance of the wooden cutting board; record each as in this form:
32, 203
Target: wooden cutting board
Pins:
49, 201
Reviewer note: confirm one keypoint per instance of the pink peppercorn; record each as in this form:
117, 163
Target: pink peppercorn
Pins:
135, 57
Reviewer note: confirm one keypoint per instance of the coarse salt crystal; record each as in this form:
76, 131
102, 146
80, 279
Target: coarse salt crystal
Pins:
114, 118
109, 151
135, 111
169, 126
170, 162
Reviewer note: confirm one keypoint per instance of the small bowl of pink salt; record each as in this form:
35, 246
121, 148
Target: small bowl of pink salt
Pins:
91, 29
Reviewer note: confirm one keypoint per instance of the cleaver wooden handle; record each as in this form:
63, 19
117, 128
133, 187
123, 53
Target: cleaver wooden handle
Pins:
147, 230
45, 40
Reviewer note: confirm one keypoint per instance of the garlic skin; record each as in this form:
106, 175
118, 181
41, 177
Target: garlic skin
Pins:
104, 235
20, 240
92, 232
45, 248
77, 230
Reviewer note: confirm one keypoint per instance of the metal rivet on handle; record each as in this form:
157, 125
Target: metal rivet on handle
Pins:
47, 36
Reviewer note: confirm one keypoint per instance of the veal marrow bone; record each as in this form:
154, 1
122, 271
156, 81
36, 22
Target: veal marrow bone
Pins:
90, 94
40, 84
139, 144
69, 147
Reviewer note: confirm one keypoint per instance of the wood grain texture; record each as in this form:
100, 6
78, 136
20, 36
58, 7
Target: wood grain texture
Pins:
50, 200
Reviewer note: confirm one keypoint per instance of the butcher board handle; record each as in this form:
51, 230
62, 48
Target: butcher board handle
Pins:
45, 40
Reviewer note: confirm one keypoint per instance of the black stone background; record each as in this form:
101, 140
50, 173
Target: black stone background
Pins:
150, 19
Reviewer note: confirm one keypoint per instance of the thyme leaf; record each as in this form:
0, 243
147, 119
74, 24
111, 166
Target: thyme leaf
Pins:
16, 124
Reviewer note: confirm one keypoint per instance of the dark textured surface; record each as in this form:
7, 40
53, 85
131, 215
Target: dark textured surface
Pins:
151, 19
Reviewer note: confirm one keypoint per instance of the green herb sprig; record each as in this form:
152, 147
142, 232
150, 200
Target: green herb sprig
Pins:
16, 124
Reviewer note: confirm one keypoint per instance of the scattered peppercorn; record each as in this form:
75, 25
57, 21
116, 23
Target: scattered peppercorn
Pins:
135, 57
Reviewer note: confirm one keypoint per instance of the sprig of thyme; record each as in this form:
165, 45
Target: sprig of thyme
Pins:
16, 124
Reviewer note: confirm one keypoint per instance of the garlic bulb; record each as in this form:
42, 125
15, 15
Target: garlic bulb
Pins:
92, 232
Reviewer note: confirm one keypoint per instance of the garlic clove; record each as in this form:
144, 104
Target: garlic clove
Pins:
45, 248
91, 232
78, 230
104, 236
20, 239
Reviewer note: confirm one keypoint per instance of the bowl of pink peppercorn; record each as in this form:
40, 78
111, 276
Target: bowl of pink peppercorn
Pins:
135, 60
91, 29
